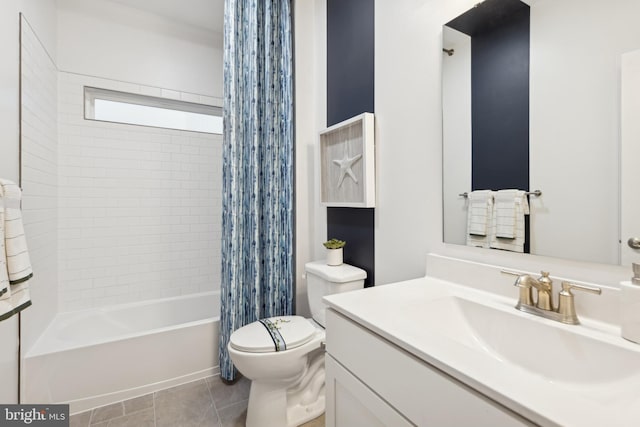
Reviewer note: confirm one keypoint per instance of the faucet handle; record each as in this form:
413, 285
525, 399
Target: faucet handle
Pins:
526, 297
566, 306
546, 284
567, 286
511, 273
518, 277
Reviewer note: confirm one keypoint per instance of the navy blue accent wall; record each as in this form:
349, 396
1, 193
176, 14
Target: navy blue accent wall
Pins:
500, 105
350, 66
350, 91
354, 225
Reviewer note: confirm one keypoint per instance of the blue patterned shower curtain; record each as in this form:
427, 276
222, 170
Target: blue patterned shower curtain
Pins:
257, 201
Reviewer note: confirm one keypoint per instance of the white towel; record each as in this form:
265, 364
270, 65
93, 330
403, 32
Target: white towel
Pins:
17, 265
508, 220
6, 308
505, 213
479, 216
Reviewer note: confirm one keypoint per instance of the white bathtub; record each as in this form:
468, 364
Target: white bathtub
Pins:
94, 357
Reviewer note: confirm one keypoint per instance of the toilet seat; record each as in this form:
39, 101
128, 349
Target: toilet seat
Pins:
273, 334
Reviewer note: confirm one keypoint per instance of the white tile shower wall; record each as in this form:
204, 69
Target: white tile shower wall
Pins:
39, 180
140, 207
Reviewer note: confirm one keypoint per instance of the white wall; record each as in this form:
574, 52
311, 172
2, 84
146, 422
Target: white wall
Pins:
409, 140
42, 15
39, 114
456, 133
575, 122
311, 108
9, 165
106, 39
140, 207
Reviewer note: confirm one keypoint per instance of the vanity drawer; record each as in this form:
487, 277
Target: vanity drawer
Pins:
421, 393
351, 403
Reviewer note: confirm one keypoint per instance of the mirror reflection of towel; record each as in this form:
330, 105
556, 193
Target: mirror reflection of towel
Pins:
479, 216
508, 220
505, 211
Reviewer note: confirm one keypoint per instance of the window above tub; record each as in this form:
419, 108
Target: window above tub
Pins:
130, 108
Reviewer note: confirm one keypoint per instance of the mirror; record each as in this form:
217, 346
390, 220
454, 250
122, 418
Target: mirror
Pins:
531, 100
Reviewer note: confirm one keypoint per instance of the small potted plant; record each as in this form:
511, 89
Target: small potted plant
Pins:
334, 251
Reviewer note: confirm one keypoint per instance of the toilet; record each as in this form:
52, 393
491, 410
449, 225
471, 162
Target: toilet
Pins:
283, 356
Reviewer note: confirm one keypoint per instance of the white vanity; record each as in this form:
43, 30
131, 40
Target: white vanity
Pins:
431, 352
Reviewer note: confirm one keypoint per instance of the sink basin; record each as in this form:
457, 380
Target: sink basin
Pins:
542, 347
550, 373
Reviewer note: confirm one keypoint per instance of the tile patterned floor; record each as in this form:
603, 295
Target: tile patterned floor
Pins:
203, 403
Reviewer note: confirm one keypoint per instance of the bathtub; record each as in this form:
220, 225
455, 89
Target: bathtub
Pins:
94, 357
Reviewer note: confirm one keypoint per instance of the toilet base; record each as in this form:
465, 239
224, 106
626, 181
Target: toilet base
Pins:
279, 404
300, 414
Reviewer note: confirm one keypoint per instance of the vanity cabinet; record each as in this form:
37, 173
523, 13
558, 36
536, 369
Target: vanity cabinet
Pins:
373, 382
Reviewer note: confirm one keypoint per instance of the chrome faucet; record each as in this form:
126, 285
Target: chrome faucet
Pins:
565, 312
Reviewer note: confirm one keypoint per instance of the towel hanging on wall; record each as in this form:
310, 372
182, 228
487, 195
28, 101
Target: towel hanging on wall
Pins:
6, 309
15, 265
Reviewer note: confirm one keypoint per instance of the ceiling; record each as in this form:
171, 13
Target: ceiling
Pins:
204, 14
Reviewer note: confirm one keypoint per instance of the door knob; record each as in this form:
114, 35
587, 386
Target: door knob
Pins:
634, 242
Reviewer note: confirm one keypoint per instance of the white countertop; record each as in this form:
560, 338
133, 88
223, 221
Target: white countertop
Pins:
396, 312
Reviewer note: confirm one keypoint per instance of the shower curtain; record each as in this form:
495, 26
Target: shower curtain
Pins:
257, 201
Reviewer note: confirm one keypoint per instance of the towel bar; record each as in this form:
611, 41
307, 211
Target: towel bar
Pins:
536, 193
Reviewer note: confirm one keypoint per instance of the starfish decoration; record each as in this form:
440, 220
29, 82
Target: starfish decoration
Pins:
345, 167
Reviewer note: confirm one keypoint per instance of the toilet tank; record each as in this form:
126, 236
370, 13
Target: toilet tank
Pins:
323, 279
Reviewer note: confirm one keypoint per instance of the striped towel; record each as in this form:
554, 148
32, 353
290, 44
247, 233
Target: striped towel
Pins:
6, 309
479, 218
15, 265
508, 220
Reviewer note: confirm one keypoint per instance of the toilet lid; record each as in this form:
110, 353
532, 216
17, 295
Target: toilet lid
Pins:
273, 334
